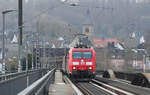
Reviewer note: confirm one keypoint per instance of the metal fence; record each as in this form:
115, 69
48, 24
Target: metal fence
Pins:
12, 75
41, 86
14, 83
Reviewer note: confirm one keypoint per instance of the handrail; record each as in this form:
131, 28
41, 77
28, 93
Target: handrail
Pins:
12, 75
33, 86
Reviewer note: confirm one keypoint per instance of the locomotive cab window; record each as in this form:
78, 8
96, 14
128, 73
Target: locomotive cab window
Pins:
77, 55
82, 55
87, 55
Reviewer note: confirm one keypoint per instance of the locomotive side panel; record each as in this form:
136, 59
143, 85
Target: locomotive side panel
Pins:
63, 65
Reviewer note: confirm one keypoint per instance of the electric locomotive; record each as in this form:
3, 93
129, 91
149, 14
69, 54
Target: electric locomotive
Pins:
80, 61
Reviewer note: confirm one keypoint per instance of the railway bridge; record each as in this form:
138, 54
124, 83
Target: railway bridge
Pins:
49, 80
117, 71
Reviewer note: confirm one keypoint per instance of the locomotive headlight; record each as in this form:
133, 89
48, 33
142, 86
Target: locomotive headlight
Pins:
89, 63
74, 68
75, 63
90, 68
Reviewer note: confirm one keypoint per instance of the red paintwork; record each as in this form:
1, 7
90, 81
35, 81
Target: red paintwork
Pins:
83, 66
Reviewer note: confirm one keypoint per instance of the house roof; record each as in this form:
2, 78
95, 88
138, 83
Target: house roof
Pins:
98, 42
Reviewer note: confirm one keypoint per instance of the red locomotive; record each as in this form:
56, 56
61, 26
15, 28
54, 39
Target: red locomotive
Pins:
80, 63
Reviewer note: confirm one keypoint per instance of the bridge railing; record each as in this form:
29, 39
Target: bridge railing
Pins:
39, 87
12, 75
14, 83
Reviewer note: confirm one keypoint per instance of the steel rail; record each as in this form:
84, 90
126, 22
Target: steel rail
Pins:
116, 90
92, 89
81, 89
112, 93
85, 90
137, 90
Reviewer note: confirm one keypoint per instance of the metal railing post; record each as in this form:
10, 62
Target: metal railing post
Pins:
27, 79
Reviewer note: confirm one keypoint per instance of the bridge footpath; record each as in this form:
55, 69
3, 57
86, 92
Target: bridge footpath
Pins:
59, 87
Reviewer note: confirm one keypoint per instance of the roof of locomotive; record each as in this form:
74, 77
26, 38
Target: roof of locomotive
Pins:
81, 49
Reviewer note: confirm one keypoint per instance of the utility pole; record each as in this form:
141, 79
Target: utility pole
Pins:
27, 47
26, 56
32, 55
3, 38
38, 63
20, 22
44, 54
3, 48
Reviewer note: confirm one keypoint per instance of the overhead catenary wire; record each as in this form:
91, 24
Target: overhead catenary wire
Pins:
53, 7
36, 17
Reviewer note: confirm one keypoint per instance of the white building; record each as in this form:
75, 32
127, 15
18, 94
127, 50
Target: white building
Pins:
14, 40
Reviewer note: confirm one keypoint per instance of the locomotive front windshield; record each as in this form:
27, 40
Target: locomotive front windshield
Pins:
82, 55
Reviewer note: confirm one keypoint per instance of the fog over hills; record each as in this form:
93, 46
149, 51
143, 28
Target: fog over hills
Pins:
111, 18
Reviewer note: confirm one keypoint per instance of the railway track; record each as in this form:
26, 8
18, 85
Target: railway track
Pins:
118, 91
107, 87
93, 89
87, 88
135, 90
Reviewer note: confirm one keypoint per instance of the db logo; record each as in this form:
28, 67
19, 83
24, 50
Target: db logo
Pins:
82, 62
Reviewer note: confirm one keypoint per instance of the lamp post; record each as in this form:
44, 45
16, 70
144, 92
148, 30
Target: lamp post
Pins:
20, 29
27, 47
3, 38
33, 46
